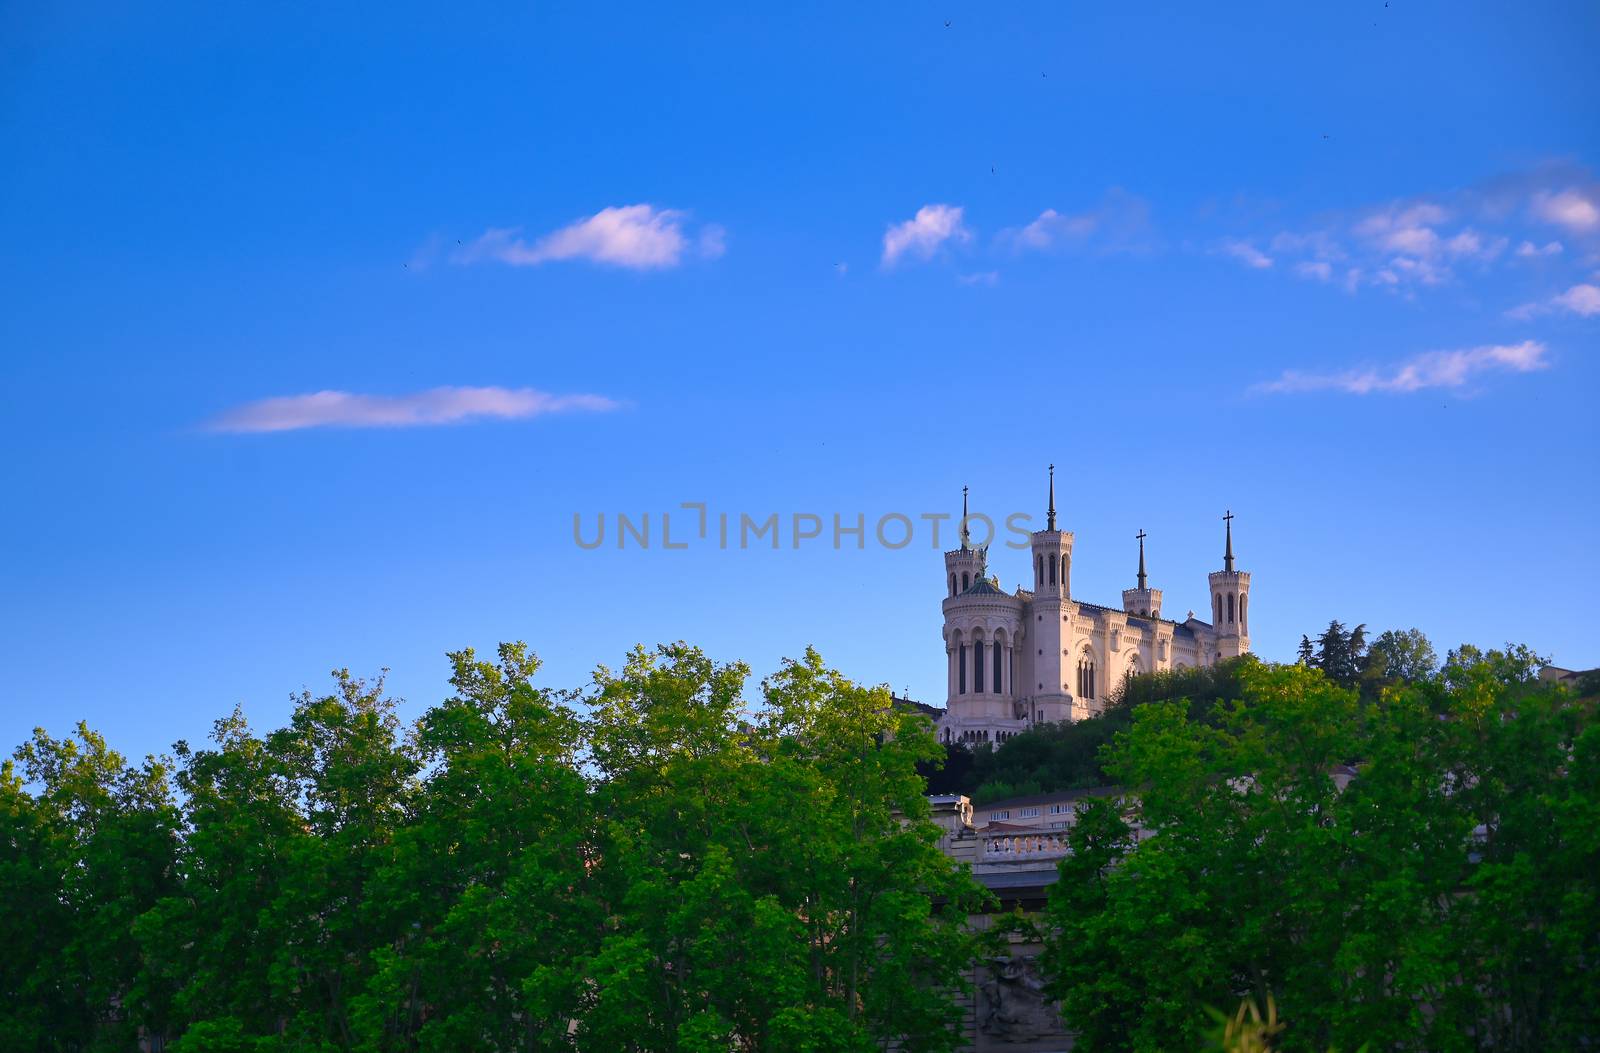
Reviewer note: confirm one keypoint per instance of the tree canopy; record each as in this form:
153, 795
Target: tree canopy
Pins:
652, 863
1418, 874
672, 858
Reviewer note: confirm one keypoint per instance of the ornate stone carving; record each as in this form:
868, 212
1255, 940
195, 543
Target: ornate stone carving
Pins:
1012, 1007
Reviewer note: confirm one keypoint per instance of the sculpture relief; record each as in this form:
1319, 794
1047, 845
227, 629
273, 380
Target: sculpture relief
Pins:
1012, 1006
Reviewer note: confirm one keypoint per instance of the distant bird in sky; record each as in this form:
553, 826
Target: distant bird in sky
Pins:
947, 23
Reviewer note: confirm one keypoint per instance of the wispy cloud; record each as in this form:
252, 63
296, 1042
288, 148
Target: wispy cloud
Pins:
1582, 300
979, 278
1052, 229
447, 405
1435, 369
1430, 241
922, 235
1528, 249
1575, 208
639, 237
1245, 253
1119, 223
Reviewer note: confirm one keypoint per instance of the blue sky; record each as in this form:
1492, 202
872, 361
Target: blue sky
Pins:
1334, 268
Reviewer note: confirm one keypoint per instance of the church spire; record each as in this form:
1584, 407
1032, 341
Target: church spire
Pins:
1050, 523
965, 534
1227, 556
1141, 560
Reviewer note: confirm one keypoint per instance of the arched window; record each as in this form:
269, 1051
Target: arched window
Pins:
952, 584
1244, 618
1063, 572
1216, 602
965, 581
1230, 608
999, 653
1052, 571
962, 686
1085, 676
1039, 577
977, 666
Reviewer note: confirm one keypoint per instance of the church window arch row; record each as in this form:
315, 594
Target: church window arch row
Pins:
1230, 608
1086, 674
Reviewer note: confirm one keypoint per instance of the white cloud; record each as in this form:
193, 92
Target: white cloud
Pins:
1052, 228
1321, 270
1317, 243
980, 278
640, 237
921, 236
1435, 369
1582, 300
1404, 229
1549, 248
713, 241
1472, 245
447, 405
1246, 254
1120, 222
1577, 210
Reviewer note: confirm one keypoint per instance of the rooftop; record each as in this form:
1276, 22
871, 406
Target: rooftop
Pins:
1058, 797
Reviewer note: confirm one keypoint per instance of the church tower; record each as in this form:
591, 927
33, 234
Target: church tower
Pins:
1142, 600
1052, 609
962, 566
1230, 602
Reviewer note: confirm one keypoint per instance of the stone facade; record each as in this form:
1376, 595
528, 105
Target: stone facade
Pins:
1013, 848
1039, 655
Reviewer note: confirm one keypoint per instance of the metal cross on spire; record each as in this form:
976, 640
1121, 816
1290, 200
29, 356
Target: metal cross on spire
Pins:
1227, 556
1140, 536
965, 535
1050, 522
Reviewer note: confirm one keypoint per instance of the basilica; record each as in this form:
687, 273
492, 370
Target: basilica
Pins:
1038, 655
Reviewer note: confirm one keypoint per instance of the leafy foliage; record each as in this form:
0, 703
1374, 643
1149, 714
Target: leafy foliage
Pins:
1447, 898
1069, 756
667, 871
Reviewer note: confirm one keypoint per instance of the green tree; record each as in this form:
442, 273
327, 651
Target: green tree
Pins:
1341, 653
772, 878
1069, 755
1443, 900
488, 882
1403, 655
83, 855
208, 940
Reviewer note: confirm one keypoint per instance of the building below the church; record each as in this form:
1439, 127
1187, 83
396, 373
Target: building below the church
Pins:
1072, 653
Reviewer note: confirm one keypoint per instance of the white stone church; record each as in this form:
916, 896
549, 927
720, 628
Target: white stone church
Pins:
1037, 656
